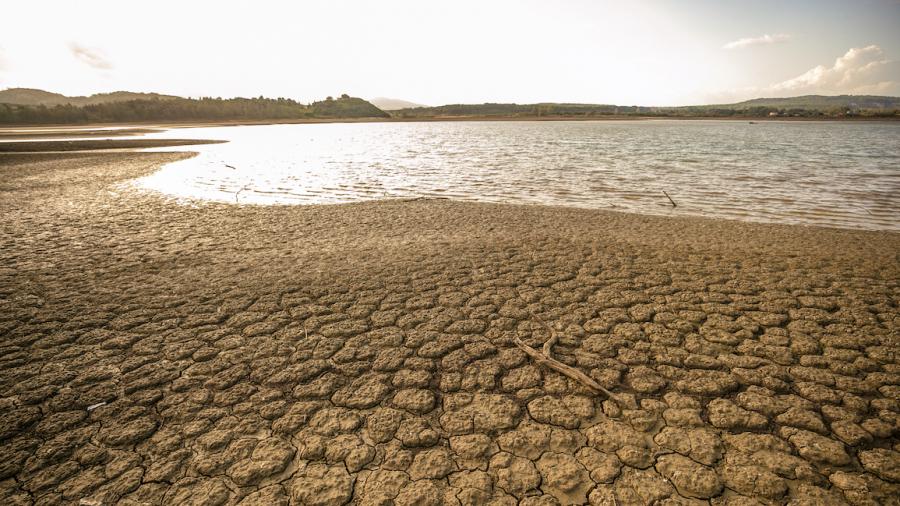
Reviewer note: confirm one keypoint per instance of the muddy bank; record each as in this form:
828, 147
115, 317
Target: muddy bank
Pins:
45, 132
100, 144
160, 353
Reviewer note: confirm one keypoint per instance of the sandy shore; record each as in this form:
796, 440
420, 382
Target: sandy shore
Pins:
10, 133
95, 144
155, 353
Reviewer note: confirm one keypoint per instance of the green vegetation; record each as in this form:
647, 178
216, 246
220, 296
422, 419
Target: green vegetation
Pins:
808, 106
813, 106
29, 96
186, 109
516, 110
346, 107
28, 106
820, 102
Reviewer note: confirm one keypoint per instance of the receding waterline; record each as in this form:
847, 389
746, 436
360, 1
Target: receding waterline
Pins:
839, 174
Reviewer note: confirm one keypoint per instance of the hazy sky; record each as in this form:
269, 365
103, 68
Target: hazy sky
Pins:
650, 52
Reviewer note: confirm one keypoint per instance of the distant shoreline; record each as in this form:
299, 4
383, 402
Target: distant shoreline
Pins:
205, 123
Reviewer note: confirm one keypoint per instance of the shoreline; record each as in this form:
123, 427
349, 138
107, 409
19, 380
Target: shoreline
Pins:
129, 145
85, 145
207, 123
159, 353
55, 132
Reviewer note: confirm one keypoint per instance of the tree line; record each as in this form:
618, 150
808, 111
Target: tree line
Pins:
187, 109
219, 109
592, 110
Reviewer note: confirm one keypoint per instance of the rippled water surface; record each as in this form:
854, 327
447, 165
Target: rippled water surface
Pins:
843, 174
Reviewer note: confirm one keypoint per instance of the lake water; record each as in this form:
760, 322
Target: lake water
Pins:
839, 174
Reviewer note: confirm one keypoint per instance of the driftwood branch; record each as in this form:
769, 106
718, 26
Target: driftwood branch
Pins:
548, 346
245, 187
546, 359
670, 199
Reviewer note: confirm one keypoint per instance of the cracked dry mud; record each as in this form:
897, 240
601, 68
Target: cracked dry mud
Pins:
158, 353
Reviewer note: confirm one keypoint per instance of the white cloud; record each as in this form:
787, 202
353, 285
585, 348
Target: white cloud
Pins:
2, 60
859, 71
91, 57
757, 41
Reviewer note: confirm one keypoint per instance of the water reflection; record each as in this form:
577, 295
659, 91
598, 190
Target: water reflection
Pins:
843, 174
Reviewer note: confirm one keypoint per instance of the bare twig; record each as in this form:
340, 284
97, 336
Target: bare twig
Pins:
245, 187
545, 358
548, 346
670, 199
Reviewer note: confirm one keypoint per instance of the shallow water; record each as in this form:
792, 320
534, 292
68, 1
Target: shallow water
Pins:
839, 174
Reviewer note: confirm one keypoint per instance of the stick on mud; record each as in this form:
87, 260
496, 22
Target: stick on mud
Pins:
545, 358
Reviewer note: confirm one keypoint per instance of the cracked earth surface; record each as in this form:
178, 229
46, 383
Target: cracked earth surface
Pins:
159, 353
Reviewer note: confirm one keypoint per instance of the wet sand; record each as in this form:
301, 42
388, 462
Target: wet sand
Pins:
23, 133
155, 353
38, 146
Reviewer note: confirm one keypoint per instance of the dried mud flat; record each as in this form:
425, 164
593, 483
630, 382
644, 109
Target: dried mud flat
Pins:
155, 353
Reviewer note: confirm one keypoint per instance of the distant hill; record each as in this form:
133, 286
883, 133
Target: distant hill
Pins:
185, 109
346, 107
393, 104
515, 110
822, 102
29, 96
807, 106
31, 106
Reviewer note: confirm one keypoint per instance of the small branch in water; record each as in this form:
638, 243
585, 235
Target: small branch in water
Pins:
242, 188
245, 187
670, 199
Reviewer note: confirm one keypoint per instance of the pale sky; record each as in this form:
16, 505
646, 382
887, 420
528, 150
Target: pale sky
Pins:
651, 52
